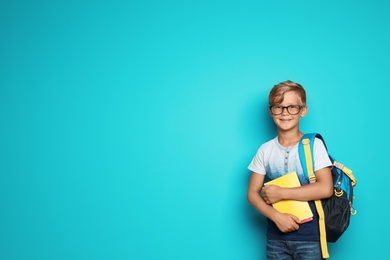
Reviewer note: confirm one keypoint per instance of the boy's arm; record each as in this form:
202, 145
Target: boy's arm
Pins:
285, 222
322, 188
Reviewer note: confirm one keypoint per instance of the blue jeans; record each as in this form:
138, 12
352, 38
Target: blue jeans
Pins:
297, 250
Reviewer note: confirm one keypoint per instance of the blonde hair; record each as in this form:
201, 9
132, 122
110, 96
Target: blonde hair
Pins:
276, 94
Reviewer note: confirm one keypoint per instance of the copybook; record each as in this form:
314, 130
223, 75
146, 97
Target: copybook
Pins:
300, 209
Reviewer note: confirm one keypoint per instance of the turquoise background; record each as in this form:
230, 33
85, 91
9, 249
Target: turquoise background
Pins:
127, 127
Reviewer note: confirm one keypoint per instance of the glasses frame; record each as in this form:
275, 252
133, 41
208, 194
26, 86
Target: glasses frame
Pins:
287, 108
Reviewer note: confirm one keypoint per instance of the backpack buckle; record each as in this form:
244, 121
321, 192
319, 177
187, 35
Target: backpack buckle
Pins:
338, 165
312, 178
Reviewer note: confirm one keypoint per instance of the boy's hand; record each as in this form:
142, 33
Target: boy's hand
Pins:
272, 193
287, 222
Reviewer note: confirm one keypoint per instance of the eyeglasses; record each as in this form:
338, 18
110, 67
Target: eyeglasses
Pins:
291, 109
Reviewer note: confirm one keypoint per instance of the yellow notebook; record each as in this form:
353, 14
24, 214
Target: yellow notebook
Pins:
300, 209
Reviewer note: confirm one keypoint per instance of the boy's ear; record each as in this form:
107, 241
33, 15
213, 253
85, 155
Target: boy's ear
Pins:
304, 111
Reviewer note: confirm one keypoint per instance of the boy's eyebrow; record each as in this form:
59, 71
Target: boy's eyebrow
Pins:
291, 104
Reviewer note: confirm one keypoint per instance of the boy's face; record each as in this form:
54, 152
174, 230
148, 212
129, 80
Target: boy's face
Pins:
286, 121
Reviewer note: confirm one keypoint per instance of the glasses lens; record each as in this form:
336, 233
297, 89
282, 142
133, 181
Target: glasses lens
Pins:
277, 110
293, 109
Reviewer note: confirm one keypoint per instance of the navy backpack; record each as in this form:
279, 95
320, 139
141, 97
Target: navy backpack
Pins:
334, 212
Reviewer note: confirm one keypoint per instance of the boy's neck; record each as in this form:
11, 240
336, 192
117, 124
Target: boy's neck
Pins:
289, 138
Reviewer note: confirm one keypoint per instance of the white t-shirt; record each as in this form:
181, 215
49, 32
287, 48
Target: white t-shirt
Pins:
274, 160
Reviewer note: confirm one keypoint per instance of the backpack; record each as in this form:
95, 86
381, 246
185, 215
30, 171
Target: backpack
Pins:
334, 212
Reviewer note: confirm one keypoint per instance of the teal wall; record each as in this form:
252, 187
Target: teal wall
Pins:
126, 127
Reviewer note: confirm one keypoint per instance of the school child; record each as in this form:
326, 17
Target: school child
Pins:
287, 238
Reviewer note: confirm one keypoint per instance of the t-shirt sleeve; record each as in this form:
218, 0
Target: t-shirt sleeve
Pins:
321, 158
257, 163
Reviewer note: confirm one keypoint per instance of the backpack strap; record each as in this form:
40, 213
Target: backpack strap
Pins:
347, 171
305, 149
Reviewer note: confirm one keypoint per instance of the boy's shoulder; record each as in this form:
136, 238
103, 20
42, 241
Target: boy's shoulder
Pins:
270, 143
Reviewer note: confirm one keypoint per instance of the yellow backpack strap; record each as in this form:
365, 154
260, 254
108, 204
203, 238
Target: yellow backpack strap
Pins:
309, 160
321, 223
320, 210
347, 171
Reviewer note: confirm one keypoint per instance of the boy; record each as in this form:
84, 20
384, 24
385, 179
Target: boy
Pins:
286, 237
